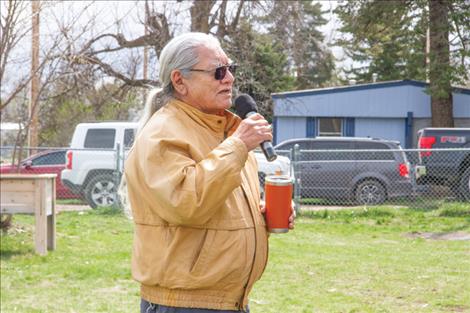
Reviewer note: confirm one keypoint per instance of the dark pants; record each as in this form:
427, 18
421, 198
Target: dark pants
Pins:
147, 307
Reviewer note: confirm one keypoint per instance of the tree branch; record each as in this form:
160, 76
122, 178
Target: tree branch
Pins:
110, 71
234, 24
123, 43
459, 34
222, 29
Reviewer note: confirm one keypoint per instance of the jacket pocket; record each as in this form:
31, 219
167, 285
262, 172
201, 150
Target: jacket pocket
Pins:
200, 261
225, 260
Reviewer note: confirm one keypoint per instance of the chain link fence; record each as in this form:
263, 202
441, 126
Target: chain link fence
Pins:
322, 178
418, 178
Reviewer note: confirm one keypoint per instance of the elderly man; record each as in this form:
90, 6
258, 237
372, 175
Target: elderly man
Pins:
200, 239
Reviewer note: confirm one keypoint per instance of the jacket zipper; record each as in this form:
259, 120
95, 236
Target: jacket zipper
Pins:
240, 306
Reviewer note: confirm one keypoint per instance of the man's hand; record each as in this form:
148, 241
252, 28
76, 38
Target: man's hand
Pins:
254, 130
262, 208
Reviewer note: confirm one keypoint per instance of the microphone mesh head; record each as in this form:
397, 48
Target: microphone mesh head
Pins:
245, 104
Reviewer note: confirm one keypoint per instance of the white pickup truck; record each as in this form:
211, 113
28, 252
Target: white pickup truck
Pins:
96, 156
94, 161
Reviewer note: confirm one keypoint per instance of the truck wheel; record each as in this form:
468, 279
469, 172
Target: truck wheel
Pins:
101, 191
370, 192
465, 184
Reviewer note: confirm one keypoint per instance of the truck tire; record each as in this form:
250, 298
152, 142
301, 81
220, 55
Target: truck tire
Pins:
101, 191
370, 192
465, 184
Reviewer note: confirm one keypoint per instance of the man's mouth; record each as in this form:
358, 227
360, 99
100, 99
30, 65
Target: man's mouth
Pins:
226, 91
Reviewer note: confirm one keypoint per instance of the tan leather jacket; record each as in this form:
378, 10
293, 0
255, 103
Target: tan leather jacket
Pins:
200, 240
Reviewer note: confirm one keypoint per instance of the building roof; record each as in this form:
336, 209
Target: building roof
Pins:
386, 84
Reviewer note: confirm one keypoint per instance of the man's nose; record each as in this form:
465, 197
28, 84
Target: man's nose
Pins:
229, 77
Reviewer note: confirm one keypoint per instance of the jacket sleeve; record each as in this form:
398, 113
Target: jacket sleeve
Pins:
186, 192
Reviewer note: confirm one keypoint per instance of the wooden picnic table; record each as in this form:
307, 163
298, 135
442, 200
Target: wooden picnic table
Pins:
32, 194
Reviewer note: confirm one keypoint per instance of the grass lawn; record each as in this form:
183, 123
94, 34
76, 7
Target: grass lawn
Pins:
89, 271
375, 260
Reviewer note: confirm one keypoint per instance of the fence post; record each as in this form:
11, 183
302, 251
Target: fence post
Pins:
297, 183
117, 173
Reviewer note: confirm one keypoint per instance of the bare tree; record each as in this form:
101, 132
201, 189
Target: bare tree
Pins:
220, 18
83, 51
14, 26
15, 29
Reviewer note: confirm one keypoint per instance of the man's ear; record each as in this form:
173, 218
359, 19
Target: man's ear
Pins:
178, 83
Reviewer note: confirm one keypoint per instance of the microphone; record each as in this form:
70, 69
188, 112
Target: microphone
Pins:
245, 106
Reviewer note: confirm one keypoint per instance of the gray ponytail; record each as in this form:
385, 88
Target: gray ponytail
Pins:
156, 99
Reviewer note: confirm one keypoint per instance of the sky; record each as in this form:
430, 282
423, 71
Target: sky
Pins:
330, 30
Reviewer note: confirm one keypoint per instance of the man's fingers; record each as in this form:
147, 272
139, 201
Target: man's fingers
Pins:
255, 116
257, 119
254, 130
266, 128
262, 206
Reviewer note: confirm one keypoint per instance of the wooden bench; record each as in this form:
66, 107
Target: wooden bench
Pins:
32, 194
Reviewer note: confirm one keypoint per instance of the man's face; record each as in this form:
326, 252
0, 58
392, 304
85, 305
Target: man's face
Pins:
203, 90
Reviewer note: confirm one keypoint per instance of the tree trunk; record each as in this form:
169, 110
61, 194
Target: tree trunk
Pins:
440, 71
200, 12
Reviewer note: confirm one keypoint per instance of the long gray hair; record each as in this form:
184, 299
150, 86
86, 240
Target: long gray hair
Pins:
180, 52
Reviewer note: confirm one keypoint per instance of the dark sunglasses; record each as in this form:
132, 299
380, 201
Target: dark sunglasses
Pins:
219, 72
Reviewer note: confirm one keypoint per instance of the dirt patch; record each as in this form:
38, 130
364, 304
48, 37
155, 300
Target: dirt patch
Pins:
309, 207
458, 235
457, 308
72, 207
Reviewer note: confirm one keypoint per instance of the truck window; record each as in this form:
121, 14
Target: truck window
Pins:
100, 138
129, 135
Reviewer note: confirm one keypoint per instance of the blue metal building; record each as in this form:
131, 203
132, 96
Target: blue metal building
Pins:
391, 110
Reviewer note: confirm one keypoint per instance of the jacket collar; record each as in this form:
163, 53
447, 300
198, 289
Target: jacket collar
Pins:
227, 123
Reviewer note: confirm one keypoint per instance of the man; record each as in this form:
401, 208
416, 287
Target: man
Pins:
200, 238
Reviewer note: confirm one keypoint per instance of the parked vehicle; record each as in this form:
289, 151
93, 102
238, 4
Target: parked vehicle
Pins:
367, 177
450, 168
281, 165
93, 162
46, 162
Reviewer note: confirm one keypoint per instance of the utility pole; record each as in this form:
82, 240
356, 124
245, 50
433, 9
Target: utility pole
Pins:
146, 49
34, 102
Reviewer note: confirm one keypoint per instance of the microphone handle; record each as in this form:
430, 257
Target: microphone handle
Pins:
266, 146
268, 151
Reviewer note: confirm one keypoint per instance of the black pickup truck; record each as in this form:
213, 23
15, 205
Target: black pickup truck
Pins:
448, 167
